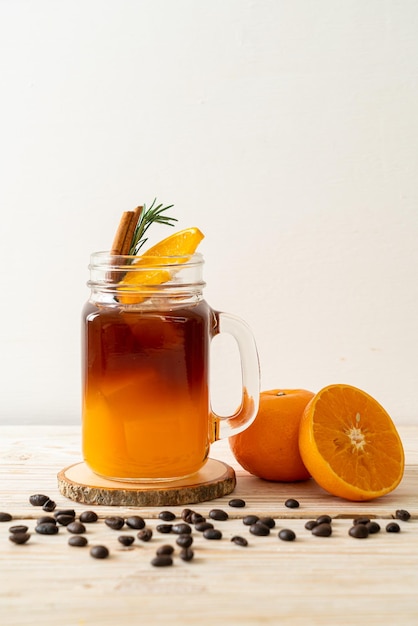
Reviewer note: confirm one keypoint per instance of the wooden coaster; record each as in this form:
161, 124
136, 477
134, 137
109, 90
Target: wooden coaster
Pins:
79, 483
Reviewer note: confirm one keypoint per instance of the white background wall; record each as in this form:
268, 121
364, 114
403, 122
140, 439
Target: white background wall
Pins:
287, 130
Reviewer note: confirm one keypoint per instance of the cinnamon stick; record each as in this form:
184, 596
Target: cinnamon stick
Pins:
136, 214
118, 241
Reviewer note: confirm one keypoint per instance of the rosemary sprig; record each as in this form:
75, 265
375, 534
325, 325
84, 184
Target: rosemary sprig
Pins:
153, 214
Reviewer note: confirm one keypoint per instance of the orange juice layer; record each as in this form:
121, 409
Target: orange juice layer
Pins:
145, 405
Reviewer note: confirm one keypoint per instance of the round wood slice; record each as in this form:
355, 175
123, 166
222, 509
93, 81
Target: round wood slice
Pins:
79, 483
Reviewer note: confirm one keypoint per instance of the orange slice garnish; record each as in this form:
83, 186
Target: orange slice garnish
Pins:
350, 445
173, 250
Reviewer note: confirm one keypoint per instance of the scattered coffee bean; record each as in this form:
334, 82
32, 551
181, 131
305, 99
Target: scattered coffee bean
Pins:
402, 515
202, 526
126, 540
38, 499
164, 528
186, 554
18, 529
237, 503
311, 524
49, 506
76, 528
5, 517
393, 527
99, 552
78, 541
68, 512
145, 534
324, 519
115, 522
286, 534
162, 560
268, 521
88, 517
167, 516
259, 529
361, 520
165, 549
135, 521
184, 541
181, 529
218, 514
291, 503
186, 515
240, 541
322, 530
64, 520
373, 527
46, 529
212, 533
248, 520
19, 538
197, 518
359, 531
47, 519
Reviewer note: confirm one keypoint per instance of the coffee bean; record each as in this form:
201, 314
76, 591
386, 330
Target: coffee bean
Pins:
359, 531
47, 519
240, 541
402, 515
212, 533
237, 503
46, 529
324, 519
361, 520
311, 524
164, 528
322, 530
267, 521
184, 541
182, 529
218, 514
64, 520
162, 560
126, 540
186, 554
259, 529
66, 512
167, 516
145, 534
78, 541
286, 534
393, 527
88, 517
49, 506
99, 552
291, 503
165, 549
135, 521
38, 499
5, 517
19, 538
202, 526
372, 527
18, 529
197, 518
76, 528
186, 515
114, 522
248, 520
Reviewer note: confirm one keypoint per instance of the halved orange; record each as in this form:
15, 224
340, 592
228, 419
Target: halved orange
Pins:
173, 250
350, 445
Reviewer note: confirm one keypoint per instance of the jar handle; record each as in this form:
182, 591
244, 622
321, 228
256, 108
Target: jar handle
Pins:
226, 426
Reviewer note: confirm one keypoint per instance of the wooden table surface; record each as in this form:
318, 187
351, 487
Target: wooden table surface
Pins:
312, 580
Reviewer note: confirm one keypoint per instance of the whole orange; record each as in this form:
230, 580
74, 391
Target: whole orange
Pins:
269, 447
